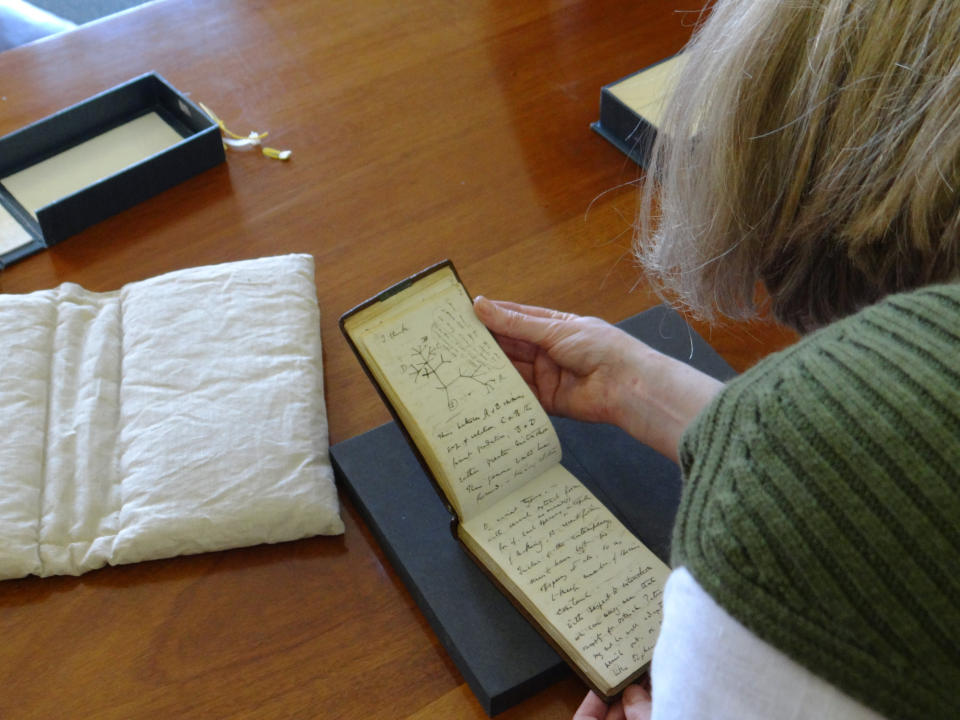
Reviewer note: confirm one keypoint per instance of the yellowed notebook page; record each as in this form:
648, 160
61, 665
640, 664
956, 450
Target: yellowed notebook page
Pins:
590, 578
82, 165
647, 91
487, 431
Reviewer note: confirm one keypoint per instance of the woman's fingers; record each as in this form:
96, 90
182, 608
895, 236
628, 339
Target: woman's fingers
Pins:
532, 310
522, 322
519, 351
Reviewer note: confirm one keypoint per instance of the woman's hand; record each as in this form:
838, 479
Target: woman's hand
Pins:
577, 366
634, 704
587, 369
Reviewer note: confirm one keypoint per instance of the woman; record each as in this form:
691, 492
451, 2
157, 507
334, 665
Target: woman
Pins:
816, 552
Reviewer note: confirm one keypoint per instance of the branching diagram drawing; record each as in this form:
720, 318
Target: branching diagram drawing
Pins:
452, 361
428, 360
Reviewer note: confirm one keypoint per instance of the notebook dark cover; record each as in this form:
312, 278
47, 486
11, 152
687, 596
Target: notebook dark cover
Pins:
501, 656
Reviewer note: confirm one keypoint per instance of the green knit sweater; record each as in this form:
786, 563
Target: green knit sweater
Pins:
821, 505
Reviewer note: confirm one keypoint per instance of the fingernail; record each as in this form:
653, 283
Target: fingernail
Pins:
481, 304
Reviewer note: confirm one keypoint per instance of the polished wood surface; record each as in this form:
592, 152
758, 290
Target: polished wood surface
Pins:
420, 130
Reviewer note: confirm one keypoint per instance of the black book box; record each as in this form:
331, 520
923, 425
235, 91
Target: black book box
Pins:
118, 148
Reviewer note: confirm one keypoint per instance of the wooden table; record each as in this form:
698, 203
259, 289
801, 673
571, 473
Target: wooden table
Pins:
419, 130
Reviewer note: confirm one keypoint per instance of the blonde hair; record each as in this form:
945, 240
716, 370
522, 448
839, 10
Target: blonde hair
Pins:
811, 148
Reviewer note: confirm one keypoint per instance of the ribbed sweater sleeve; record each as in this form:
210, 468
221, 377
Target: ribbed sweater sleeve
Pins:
821, 505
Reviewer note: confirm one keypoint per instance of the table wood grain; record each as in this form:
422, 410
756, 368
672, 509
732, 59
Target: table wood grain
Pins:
420, 130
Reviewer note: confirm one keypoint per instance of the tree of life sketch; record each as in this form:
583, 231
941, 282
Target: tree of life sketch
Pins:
457, 357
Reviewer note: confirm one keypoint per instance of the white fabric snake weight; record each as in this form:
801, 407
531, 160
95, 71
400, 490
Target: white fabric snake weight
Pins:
177, 415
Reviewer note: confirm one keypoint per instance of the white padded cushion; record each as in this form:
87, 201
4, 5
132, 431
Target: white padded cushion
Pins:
177, 415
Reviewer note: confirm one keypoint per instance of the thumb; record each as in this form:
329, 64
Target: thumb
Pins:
637, 703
